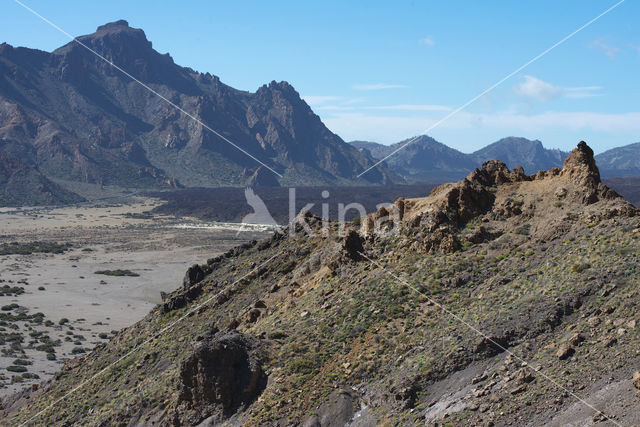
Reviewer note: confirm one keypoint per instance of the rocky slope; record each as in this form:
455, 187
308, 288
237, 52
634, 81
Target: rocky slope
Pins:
423, 159
21, 183
514, 151
83, 120
621, 161
502, 299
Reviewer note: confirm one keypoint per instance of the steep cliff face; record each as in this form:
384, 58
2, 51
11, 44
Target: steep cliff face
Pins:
89, 122
504, 298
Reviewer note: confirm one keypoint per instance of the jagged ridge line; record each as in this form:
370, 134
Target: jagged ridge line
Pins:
75, 39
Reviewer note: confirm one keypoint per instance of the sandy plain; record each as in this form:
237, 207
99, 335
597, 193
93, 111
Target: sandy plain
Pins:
65, 286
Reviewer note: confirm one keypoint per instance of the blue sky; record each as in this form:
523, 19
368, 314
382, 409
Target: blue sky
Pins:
385, 71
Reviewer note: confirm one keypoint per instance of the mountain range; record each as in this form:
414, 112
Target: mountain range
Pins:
70, 115
425, 159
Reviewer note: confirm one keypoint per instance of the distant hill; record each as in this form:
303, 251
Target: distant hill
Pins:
621, 161
82, 120
430, 160
514, 151
423, 159
628, 187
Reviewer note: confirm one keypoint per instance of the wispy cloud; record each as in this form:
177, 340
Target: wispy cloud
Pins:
534, 88
608, 49
428, 41
582, 92
635, 47
537, 89
410, 107
378, 86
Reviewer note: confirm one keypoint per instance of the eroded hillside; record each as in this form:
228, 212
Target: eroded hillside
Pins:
502, 299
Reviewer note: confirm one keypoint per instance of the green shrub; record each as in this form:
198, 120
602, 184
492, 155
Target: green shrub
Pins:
14, 368
579, 267
301, 365
28, 248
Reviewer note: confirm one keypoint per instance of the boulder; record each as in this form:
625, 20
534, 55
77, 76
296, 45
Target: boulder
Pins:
193, 275
337, 411
576, 339
564, 352
221, 376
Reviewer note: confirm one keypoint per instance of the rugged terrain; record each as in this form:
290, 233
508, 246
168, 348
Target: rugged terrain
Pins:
70, 115
503, 299
427, 159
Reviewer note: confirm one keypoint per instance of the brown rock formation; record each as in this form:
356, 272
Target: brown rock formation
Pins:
500, 195
222, 375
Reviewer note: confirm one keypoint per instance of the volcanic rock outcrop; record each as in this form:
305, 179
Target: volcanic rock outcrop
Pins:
222, 374
500, 195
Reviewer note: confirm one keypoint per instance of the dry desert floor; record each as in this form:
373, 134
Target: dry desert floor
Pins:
55, 306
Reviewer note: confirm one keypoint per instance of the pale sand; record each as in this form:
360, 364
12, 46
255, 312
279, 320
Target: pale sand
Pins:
158, 249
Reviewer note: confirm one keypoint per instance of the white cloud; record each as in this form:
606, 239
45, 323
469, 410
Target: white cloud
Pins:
410, 107
378, 86
606, 48
537, 89
635, 47
540, 90
428, 41
582, 92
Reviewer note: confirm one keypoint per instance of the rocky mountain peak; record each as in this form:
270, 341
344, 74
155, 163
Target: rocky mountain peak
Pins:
504, 200
113, 40
580, 166
114, 26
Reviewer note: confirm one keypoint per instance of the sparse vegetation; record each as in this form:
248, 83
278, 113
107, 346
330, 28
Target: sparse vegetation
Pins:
560, 292
118, 272
17, 248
